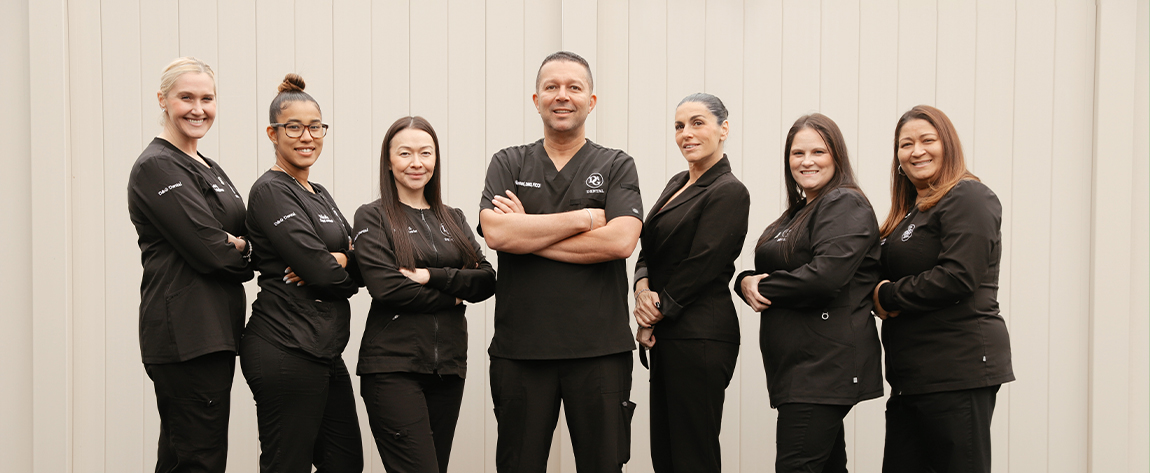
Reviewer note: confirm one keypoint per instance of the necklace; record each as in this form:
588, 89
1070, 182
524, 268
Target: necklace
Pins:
296, 179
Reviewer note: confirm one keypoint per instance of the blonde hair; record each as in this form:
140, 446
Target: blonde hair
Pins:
177, 68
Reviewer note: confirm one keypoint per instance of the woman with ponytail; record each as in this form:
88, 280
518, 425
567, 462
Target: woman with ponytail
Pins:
291, 354
814, 269
420, 262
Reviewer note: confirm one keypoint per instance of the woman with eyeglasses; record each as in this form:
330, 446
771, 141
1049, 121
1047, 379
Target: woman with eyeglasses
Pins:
291, 354
420, 262
190, 222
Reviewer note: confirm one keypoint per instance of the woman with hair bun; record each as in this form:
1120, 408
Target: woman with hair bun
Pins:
420, 262
291, 354
691, 238
190, 222
947, 347
815, 267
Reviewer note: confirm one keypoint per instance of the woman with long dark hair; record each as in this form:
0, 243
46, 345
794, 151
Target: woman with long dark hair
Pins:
814, 268
947, 347
292, 349
420, 262
691, 239
190, 222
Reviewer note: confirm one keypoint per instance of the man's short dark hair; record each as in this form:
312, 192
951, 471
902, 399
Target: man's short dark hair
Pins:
565, 56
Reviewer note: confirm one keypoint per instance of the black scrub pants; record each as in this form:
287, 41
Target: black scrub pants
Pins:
809, 438
194, 400
595, 393
689, 379
946, 432
413, 418
305, 410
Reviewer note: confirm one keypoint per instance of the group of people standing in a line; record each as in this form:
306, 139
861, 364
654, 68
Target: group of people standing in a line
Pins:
564, 214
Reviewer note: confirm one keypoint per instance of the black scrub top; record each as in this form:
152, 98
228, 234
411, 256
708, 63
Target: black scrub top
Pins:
294, 228
690, 245
547, 309
191, 299
943, 264
818, 338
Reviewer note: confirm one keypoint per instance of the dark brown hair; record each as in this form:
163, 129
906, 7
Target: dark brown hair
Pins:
401, 244
290, 90
798, 210
569, 57
951, 171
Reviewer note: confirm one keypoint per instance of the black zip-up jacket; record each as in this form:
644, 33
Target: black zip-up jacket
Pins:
191, 298
412, 327
943, 264
294, 228
819, 340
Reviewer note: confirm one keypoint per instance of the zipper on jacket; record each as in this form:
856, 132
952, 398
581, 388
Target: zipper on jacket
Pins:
431, 236
436, 343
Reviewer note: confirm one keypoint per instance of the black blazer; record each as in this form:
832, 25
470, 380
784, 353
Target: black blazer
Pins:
689, 249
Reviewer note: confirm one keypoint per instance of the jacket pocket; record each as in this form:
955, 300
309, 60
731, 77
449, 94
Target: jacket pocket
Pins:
322, 327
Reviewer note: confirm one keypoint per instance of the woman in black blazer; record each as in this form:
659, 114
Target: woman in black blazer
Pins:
691, 239
949, 351
815, 267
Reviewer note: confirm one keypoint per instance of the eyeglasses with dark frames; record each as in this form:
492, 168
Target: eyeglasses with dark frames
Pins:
295, 129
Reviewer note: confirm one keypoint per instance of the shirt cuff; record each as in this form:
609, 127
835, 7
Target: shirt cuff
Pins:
886, 298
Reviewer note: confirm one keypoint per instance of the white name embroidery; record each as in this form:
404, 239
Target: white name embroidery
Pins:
528, 184
325, 219
596, 191
173, 186
281, 219
361, 232
216, 188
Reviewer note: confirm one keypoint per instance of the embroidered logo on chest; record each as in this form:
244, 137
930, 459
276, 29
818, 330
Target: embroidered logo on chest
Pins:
594, 181
782, 236
907, 234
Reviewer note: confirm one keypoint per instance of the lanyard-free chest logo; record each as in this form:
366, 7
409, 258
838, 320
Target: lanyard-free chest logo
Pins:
595, 181
907, 234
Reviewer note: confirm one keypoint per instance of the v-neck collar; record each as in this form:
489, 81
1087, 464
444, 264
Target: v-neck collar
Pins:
723, 166
554, 175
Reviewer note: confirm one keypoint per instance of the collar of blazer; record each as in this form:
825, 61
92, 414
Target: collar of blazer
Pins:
723, 166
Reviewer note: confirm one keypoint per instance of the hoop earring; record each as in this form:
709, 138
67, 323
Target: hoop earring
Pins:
900, 170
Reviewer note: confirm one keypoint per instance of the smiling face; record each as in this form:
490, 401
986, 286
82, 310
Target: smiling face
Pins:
811, 162
297, 154
563, 96
189, 108
412, 162
699, 136
920, 152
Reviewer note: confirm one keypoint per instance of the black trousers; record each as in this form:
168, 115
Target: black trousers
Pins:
305, 411
946, 432
809, 438
595, 393
689, 379
194, 400
413, 418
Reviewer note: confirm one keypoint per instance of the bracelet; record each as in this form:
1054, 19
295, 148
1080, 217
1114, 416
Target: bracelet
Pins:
640, 292
591, 219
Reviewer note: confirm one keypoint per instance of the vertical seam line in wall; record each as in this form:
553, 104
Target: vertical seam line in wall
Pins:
1050, 210
934, 92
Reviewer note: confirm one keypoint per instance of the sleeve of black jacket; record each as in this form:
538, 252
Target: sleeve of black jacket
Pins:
470, 284
843, 229
183, 217
295, 240
718, 240
969, 220
381, 274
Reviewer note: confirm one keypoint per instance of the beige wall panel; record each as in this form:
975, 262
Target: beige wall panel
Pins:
993, 137
1069, 354
353, 182
612, 75
16, 354
390, 69
275, 57
917, 52
313, 61
1139, 369
1031, 229
542, 30
198, 28
86, 92
580, 33
800, 62
52, 251
647, 141
429, 71
878, 112
956, 66
464, 168
1110, 382
124, 375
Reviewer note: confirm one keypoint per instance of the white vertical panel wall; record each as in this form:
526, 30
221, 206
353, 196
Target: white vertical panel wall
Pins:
1041, 93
